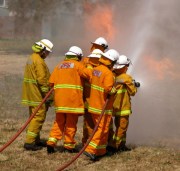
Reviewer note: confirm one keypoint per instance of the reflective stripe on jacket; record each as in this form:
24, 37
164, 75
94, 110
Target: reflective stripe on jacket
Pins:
35, 82
68, 87
122, 99
101, 84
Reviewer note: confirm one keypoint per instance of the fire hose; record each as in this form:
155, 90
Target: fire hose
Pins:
88, 141
27, 122
137, 84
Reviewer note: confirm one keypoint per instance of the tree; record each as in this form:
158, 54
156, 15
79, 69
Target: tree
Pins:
29, 14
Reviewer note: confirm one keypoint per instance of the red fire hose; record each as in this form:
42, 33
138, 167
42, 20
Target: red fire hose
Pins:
27, 122
88, 141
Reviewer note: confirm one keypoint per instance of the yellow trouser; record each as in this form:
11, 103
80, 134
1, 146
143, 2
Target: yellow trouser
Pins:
98, 143
119, 137
64, 125
35, 126
88, 127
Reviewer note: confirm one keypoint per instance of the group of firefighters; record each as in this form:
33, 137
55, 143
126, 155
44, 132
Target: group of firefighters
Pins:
81, 86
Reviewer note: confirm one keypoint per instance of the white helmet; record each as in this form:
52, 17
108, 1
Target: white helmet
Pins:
74, 50
111, 54
96, 53
121, 62
45, 43
101, 41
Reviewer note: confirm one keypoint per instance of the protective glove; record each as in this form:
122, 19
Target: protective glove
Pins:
49, 103
89, 66
113, 91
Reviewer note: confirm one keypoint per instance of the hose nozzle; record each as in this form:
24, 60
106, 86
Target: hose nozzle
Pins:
137, 84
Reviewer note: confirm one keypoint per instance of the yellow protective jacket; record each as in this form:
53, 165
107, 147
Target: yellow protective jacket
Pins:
86, 84
90, 63
122, 100
35, 83
68, 86
85, 61
101, 84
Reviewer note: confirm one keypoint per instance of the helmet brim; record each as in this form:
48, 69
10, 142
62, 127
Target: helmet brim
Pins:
118, 66
94, 56
108, 57
94, 43
40, 44
49, 50
70, 53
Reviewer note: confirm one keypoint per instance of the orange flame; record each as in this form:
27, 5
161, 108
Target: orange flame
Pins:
100, 20
162, 68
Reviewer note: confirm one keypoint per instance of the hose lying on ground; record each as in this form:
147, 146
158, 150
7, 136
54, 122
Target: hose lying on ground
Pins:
88, 141
27, 122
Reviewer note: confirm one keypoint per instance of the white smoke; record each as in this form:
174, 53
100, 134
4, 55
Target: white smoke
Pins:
149, 30
146, 30
154, 32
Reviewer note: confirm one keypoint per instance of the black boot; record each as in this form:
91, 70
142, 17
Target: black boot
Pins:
41, 143
50, 149
32, 147
111, 149
70, 150
124, 148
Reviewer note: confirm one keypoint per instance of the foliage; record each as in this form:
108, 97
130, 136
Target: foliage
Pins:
29, 14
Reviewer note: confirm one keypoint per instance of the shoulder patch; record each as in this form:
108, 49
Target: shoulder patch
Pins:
97, 73
66, 65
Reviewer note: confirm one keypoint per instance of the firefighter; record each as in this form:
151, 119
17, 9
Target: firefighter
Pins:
68, 99
35, 87
101, 86
122, 105
99, 44
88, 123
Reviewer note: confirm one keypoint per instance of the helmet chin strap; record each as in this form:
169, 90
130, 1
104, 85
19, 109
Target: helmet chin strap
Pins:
113, 62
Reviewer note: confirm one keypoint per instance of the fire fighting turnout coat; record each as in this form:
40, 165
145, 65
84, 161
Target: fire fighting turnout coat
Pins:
101, 84
122, 100
35, 83
68, 86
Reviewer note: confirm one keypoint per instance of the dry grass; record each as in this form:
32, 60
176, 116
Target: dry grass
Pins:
15, 45
14, 157
142, 158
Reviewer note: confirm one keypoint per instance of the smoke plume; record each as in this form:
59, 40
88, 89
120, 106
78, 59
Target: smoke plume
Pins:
147, 31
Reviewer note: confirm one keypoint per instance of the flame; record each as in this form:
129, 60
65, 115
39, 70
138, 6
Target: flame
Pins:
100, 20
161, 69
